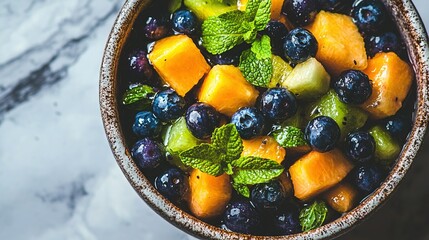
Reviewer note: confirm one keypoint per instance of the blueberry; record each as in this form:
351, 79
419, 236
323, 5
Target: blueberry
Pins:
360, 146
224, 59
168, 105
336, 6
268, 197
184, 21
139, 65
353, 87
368, 15
299, 45
300, 12
398, 126
240, 216
286, 222
202, 119
230, 57
385, 42
173, 184
146, 124
157, 27
322, 133
249, 122
278, 104
277, 31
148, 153
366, 177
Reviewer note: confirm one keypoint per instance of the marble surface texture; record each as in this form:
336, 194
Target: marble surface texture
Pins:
58, 177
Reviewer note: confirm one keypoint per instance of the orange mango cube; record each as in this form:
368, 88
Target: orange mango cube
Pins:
178, 62
226, 89
316, 172
264, 147
342, 197
209, 195
340, 45
391, 80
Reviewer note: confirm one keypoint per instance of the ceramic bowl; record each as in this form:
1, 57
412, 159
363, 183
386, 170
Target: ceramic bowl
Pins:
416, 40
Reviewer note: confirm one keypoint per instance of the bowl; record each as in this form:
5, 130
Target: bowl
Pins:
415, 37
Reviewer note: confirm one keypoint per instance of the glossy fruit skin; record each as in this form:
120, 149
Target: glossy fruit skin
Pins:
277, 31
146, 124
353, 87
249, 121
368, 15
268, 197
202, 119
147, 153
336, 6
286, 222
398, 126
300, 12
139, 65
167, 105
184, 21
230, 57
322, 133
240, 216
226, 58
157, 27
360, 147
299, 45
366, 177
278, 104
173, 184
384, 42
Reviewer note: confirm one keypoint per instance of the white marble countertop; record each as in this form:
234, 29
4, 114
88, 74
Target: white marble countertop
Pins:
58, 177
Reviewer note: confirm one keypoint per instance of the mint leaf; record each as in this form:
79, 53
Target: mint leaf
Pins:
227, 140
223, 32
256, 63
259, 11
204, 157
256, 71
253, 170
241, 189
251, 34
289, 137
228, 169
227, 2
138, 97
262, 48
136, 94
313, 216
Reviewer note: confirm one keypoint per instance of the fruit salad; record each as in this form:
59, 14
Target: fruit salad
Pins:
265, 117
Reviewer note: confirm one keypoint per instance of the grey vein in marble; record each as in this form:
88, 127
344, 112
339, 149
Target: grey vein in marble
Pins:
46, 63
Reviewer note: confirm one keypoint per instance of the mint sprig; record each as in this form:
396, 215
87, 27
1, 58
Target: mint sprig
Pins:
313, 216
256, 63
221, 33
223, 156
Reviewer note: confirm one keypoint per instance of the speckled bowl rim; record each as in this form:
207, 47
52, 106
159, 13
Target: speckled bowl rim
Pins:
416, 39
